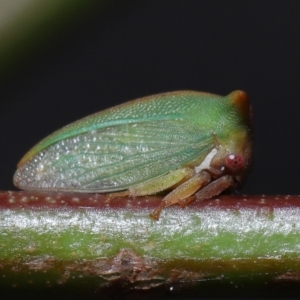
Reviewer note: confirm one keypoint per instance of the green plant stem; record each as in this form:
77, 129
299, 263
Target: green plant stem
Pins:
81, 240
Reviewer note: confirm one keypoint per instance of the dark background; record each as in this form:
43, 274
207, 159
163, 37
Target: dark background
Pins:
137, 48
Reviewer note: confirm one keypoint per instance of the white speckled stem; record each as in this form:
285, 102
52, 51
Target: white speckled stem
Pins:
70, 236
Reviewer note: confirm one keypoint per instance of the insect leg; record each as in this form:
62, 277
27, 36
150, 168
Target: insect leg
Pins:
117, 194
161, 183
183, 191
156, 185
213, 189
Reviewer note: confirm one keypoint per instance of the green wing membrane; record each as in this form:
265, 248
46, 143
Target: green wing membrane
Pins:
116, 157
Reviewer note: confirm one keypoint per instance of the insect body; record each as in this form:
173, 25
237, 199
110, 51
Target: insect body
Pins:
192, 143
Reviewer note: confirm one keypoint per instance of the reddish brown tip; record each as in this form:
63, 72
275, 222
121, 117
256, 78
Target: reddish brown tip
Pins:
241, 101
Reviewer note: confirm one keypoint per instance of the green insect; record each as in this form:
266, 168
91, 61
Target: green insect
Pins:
194, 144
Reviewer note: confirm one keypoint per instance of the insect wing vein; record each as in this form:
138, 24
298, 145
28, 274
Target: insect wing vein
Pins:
117, 157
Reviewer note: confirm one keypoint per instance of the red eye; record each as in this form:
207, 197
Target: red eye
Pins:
235, 162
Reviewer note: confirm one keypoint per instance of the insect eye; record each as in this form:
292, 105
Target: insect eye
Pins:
235, 162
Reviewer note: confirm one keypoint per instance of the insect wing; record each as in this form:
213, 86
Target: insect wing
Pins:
184, 105
115, 157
